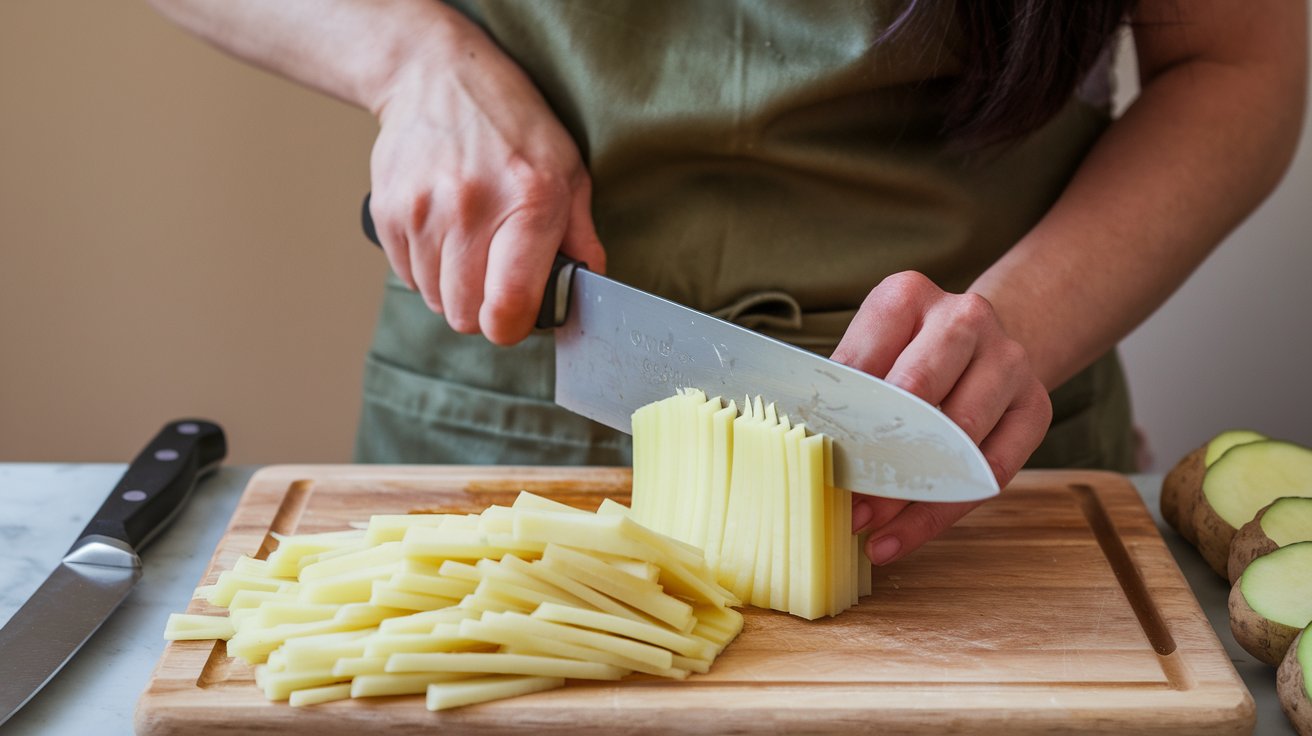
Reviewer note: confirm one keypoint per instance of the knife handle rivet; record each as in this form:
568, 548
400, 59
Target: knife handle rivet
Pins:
134, 495
166, 454
189, 428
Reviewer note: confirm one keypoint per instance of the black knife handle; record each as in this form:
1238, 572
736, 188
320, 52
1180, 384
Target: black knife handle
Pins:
158, 481
555, 299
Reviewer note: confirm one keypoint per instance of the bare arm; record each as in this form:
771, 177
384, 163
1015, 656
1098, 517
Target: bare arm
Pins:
350, 49
1210, 135
1212, 132
475, 183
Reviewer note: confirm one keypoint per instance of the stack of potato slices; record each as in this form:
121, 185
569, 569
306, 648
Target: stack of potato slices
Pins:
756, 492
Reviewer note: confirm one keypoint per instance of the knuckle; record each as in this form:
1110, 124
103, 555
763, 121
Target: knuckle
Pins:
1014, 353
905, 285
970, 424
972, 309
533, 185
916, 379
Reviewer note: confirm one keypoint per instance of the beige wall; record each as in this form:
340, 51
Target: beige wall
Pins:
178, 236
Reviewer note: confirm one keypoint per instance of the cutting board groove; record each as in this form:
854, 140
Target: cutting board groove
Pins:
1054, 608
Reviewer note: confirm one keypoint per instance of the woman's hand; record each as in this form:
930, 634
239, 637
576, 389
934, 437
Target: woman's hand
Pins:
950, 350
476, 185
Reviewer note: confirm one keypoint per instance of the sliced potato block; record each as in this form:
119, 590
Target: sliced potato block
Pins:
480, 690
1242, 481
1283, 522
1272, 601
1294, 683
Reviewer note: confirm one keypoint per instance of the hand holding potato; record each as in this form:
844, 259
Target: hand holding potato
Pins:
950, 350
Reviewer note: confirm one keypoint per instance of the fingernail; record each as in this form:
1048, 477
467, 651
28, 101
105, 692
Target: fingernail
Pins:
862, 513
883, 550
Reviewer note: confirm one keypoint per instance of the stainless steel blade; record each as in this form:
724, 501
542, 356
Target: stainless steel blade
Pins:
622, 348
61, 615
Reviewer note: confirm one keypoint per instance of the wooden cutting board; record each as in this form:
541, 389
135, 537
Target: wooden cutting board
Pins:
1055, 607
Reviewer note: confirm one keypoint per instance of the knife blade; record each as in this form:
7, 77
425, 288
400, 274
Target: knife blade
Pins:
619, 348
102, 566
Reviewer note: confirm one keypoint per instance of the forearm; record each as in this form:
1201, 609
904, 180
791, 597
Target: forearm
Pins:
1205, 142
350, 49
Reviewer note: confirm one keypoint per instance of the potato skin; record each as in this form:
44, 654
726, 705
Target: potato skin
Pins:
1249, 543
1259, 636
1213, 536
1180, 492
1292, 691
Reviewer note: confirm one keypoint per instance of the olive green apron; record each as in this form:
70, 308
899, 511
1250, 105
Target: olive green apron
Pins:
768, 162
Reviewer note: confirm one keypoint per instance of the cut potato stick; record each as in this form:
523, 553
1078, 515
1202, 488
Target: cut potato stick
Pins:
526, 501
628, 648
444, 638
416, 683
645, 632
468, 692
357, 666
642, 595
193, 627
516, 640
383, 594
392, 527
505, 664
317, 695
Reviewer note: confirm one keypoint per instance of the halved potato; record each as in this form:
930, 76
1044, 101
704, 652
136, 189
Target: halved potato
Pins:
1272, 601
1283, 522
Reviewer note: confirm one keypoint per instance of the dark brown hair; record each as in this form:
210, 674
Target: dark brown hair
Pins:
1021, 60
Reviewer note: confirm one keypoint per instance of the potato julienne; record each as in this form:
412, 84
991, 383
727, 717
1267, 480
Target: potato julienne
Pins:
515, 600
469, 608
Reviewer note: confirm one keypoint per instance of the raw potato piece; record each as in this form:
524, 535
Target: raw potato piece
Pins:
1242, 481
1285, 521
190, 627
1272, 601
468, 692
782, 532
1294, 683
1182, 486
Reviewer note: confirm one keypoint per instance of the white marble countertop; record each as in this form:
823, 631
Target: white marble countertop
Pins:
44, 506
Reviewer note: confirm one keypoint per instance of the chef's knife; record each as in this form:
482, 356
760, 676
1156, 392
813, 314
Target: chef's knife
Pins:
103, 564
619, 348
